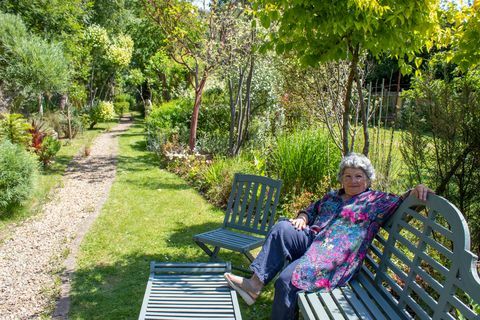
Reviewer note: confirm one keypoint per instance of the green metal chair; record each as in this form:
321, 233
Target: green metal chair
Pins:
249, 216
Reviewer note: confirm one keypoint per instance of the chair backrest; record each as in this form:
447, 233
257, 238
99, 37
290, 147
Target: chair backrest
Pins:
423, 264
252, 203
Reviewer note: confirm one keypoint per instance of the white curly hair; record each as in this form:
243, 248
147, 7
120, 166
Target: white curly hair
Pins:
357, 161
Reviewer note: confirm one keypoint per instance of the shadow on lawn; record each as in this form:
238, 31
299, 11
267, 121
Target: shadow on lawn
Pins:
182, 235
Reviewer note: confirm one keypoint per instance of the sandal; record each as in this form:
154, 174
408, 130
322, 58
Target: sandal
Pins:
246, 296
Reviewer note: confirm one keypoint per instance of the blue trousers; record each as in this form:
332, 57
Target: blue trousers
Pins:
283, 243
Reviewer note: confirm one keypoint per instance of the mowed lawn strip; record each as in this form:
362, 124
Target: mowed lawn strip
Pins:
151, 214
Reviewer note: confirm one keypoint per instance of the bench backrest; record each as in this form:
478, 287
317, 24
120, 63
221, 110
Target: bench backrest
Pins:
252, 203
423, 264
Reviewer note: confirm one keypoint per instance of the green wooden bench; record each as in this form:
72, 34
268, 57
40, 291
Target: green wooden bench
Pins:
419, 267
249, 216
189, 291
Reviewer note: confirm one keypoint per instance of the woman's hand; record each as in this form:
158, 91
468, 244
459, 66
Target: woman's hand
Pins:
421, 192
300, 222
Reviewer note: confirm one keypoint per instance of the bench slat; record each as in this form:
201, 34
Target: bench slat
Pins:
330, 306
317, 306
345, 307
363, 295
356, 303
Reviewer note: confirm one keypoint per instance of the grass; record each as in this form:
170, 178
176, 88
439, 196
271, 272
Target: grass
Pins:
51, 177
151, 214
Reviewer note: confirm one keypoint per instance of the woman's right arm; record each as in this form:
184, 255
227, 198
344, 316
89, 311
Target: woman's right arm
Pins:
300, 222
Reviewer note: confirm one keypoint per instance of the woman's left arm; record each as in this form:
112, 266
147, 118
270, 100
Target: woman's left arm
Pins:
420, 191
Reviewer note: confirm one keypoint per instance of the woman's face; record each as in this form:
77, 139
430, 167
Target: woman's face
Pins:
354, 181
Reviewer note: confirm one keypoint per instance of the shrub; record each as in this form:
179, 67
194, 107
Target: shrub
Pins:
102, 111
215, 142
218, 177
122, 104
48, 150
38, 133
121, 107
14, 128
290, 207
59, 122
303, 159
17, 171
166, 120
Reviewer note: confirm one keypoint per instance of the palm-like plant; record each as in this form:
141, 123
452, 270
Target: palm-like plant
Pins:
15, 128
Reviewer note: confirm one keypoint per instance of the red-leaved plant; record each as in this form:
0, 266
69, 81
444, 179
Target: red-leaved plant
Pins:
38, 134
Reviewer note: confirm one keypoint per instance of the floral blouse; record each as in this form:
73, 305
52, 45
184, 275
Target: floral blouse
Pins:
345, 231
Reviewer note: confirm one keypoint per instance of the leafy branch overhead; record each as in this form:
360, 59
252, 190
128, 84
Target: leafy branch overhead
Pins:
317, 31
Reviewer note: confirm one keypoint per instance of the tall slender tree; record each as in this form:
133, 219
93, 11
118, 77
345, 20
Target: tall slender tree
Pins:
195, 39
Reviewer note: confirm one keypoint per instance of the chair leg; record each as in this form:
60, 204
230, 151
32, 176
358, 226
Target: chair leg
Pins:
205, 248
214, 256
249, 256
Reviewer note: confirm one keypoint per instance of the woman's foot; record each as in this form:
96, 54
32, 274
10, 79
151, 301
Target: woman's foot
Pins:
248, 289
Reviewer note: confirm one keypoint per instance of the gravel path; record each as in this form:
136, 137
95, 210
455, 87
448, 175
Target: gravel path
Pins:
48, 243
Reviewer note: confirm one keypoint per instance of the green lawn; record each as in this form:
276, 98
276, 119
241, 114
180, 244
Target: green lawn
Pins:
50, 177
151, 214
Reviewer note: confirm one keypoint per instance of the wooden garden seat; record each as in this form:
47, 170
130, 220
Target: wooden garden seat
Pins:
249, 216
419, 267
189, 291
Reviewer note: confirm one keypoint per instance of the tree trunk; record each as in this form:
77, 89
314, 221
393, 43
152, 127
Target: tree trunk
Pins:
165, 91
40, 105
366, 144
69, 115
232, 117
247, 107
196, 109
63, 101
346, 102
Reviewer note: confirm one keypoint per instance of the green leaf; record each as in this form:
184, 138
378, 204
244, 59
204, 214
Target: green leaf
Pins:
265, 20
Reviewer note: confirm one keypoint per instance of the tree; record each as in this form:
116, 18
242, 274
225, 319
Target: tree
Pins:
319, 31
195, 39
238, 71
464, 31
32, 66
110, 55
441, 143
62, 22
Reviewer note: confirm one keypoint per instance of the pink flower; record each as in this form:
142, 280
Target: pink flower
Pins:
348, 214
363, 216
323, 283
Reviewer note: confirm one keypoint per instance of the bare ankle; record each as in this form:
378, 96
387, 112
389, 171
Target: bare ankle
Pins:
256, 283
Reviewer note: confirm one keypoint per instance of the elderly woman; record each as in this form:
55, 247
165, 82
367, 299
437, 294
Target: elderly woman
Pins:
326, 243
